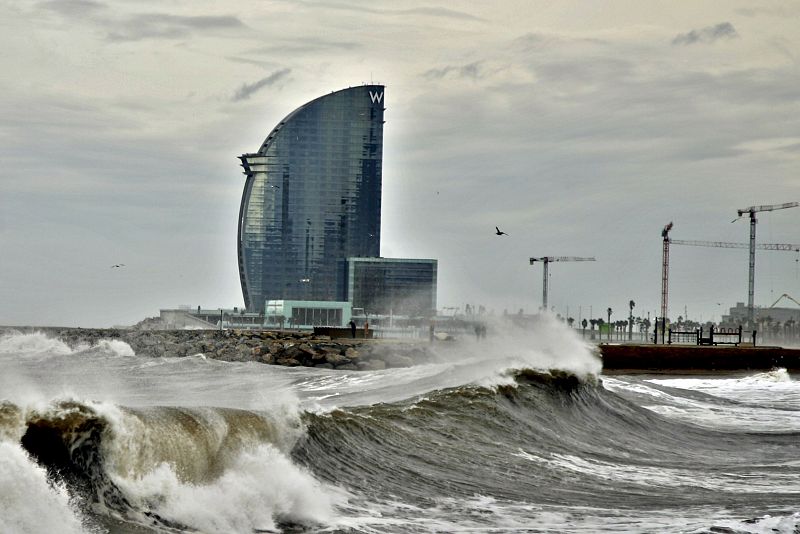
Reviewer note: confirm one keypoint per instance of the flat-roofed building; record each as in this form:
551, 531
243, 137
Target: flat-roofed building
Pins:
307, 313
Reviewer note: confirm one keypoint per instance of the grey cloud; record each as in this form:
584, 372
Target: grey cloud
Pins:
534, 40
72, 8
580, 72
438, 12
544, 41
249, 61
709, 34
141, 25
442, 12
777, 11
307, 45
165, 26
470, 70
247, 90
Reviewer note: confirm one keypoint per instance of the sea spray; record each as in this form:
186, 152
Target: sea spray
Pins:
30, 502
115, 347
259, 490
40, 344
32, 344
547, 345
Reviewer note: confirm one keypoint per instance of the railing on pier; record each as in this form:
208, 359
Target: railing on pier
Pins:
714, 336
688, 336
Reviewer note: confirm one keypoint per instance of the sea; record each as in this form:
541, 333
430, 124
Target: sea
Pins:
522, 431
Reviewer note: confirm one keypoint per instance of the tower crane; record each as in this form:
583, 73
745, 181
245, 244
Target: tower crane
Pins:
546, 260
752, 210
667, 241
665, 269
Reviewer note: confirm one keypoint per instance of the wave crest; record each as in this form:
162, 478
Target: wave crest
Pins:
202, 468
18, 343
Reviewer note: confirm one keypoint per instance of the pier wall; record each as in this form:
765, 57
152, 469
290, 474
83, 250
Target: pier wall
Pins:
665, 358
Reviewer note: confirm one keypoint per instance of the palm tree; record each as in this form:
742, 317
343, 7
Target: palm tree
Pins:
789, 326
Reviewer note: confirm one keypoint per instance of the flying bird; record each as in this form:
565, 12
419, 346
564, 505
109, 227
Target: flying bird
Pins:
118, 265
498, 232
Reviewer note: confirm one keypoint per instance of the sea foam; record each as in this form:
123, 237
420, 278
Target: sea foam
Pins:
30, 503
259, 490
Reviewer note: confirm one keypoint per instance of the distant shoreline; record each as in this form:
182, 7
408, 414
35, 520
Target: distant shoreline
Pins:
301, 348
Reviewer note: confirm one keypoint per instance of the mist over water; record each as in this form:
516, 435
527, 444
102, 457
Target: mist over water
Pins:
515, 432
30, 502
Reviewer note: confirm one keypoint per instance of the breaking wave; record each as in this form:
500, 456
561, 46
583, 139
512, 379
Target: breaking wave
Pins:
163, 467
505, 436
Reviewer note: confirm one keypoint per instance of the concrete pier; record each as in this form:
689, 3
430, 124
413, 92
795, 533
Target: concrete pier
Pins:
623, 359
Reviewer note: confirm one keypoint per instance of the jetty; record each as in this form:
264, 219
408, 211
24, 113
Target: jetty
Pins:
672, 359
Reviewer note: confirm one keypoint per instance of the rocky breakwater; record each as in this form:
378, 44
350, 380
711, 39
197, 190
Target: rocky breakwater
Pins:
271, 347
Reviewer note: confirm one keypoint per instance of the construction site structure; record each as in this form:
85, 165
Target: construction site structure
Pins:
546, 261
727, 244
665, 270
667, 241
752, 210
784, 296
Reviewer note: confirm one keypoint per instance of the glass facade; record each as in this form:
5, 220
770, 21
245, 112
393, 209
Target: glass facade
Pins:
312, 197
389, 286
307, 313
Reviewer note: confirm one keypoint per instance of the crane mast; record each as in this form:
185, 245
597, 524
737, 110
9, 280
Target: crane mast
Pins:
665, 270
546, 261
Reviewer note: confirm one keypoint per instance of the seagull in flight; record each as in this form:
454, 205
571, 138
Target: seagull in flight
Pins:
498, 232
118, 265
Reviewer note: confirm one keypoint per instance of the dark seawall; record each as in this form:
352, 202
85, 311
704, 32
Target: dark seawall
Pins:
688, 358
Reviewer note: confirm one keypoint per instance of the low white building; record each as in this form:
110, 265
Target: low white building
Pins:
307, 313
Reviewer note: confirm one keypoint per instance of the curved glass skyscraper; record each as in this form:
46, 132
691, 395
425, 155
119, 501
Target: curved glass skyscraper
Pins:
312, 198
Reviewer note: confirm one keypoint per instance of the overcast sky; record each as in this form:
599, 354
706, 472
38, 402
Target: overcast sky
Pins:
580, 128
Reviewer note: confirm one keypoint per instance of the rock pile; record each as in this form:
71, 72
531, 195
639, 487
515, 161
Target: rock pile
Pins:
289, 348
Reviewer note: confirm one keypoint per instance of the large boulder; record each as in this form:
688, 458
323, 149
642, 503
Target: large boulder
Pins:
337, 359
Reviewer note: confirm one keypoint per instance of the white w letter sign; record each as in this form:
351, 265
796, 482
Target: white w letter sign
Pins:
376, 97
